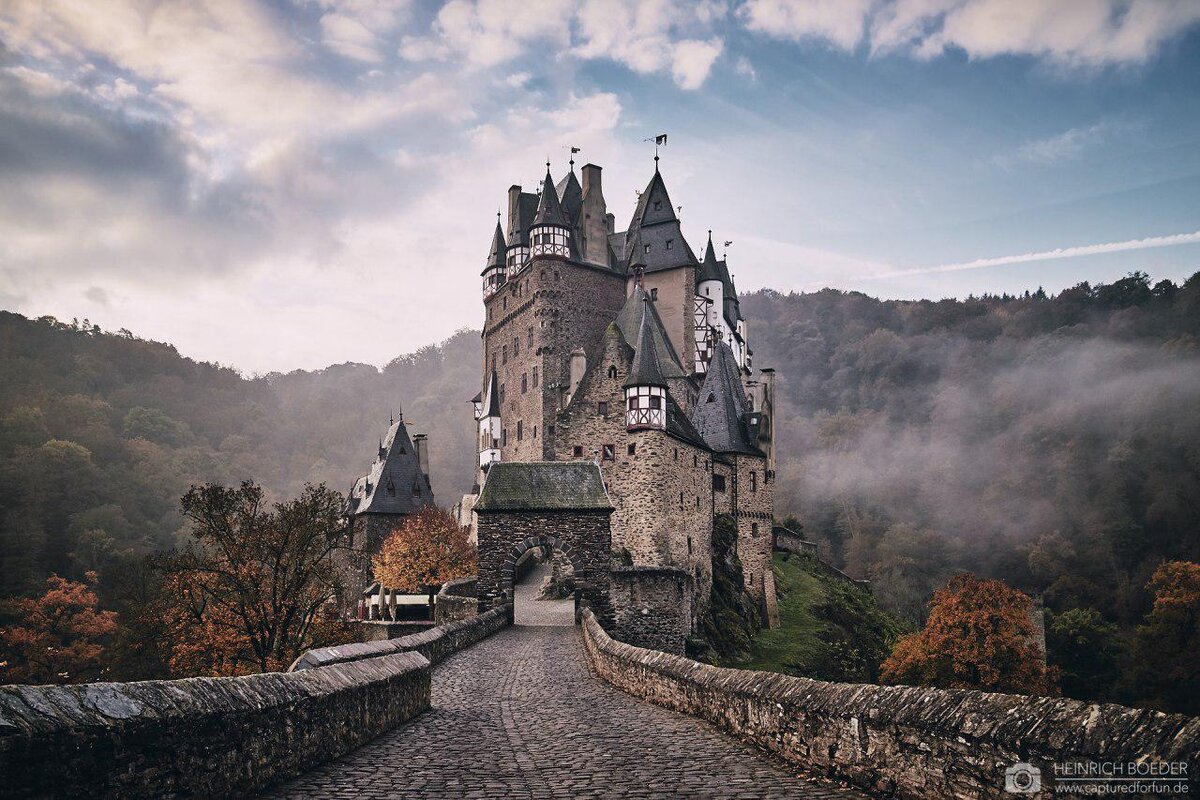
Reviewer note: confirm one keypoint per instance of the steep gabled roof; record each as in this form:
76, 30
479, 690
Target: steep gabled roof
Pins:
543, 486
654, 204
679, 426
629, 321
654, 239
550, 210
518, 229
395, 483
646, 369
491, 397
570, 194
722, 414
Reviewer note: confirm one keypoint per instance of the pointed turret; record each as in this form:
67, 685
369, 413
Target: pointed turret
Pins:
646, 387
570, 195
489, 423
551, 232
550, 211
493, 273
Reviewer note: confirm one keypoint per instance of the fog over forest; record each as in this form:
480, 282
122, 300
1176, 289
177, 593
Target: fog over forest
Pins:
1052, 442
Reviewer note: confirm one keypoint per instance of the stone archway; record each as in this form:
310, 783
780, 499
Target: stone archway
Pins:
555, 504
547, 545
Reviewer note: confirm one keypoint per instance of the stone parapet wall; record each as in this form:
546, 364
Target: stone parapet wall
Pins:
199, 737
457, 600
900, 741
435, 644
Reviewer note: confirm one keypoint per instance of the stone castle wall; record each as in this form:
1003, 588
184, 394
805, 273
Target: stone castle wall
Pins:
538, 319
652, 607
651, 523
353, 563
199, 737
753, 499
906, 742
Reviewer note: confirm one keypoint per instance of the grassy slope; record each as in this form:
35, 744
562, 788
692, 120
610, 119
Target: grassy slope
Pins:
828, 629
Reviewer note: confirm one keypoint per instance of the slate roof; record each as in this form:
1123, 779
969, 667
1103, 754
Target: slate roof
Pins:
629, 321
721, 415
395, 483
679, 426
570, 194
550, 211
498, 248
654, 239
646, 369
518, 229
543, 486
710, 268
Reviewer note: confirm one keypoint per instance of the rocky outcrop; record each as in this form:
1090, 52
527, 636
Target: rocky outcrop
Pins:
901, 741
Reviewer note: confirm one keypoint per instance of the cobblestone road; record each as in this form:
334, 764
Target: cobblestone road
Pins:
519, 715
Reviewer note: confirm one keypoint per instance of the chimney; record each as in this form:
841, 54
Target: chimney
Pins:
422, 452
595, 218
514, 200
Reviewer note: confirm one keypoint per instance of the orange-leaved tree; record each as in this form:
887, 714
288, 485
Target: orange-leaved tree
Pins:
980, 635
254, 591
57, 637
1166, 645
429, 548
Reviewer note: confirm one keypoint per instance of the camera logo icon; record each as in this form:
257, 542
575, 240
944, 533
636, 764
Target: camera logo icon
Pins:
1022, 778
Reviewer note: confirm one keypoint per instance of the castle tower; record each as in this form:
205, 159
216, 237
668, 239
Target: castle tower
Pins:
487, 412
494, 274
550, 234
645, 388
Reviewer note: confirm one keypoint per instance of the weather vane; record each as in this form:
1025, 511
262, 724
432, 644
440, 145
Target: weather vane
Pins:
574, 150
659, 141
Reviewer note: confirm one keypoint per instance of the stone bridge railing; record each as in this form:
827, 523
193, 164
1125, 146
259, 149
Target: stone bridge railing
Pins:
214, 737
899, 741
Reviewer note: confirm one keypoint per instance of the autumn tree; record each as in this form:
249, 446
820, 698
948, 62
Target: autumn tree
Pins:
426, 550
252, 592
979, 635
1166, 645
57, 637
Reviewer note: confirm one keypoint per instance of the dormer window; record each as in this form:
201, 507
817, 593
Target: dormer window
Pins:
670, 243
658, 205
654, 293
647, 248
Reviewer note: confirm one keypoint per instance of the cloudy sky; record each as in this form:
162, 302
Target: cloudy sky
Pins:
278, 185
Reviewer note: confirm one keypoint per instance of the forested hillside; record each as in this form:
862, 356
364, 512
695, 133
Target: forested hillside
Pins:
1053, 442
101, 434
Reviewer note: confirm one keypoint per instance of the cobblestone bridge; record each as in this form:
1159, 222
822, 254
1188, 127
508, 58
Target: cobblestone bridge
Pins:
519, 715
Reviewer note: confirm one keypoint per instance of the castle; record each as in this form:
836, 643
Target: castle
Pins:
623, 349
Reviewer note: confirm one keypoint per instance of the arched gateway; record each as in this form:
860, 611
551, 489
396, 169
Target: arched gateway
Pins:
546, 504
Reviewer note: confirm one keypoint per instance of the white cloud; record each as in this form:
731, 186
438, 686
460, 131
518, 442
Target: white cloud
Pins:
1085, 33
1064, 146
692, 61
840, 22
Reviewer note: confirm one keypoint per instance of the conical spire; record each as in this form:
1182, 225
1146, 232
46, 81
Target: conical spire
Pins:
496, 255
710, 269
646, 369
654, 204
549, 208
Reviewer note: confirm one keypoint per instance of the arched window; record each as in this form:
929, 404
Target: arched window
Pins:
612, 371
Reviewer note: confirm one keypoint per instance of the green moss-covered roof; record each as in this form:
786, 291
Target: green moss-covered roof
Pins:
543, 486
